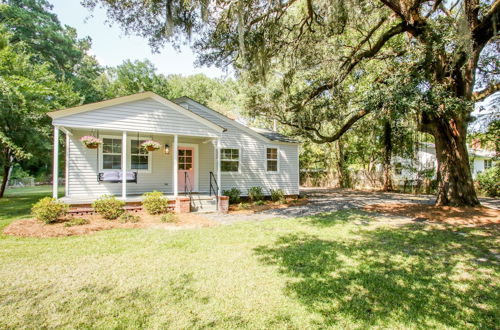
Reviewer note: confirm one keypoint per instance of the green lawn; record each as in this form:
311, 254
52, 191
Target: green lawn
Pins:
339, 270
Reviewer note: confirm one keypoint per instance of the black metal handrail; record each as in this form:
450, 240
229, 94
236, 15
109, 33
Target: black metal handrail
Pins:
187, 187
215, 189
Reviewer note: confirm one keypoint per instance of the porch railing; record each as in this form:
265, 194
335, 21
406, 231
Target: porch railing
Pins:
214, 186
188, 188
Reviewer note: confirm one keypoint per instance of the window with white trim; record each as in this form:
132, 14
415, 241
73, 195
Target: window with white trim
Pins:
139, 157
229, 160
272, 159
487, 163
111, 154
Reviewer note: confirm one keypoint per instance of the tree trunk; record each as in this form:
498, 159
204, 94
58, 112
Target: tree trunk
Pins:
455, 185
5, 180
343, 173
387, 157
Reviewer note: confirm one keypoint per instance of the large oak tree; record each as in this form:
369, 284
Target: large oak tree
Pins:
322, 64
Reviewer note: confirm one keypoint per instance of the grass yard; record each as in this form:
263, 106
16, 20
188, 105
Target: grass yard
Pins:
341, 270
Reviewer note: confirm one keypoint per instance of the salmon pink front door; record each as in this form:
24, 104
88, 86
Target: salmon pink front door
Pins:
186, 169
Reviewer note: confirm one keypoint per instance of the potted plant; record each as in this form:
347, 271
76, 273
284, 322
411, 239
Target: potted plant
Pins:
150, 145
91, 142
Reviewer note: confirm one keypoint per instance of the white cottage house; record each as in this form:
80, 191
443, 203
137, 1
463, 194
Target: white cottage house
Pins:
202, 151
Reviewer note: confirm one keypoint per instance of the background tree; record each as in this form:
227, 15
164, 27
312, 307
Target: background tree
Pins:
28, 91
32, 23
321, 55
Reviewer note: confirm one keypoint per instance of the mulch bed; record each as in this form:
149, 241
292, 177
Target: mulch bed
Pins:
269, 205
35, 228
446, 214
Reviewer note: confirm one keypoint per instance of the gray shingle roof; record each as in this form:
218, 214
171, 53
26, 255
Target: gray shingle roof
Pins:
274, 136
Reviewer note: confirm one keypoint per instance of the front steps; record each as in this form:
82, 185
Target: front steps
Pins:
203, 204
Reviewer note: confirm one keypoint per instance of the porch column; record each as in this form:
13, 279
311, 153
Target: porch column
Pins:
219, 182
124, 165
66, 167
55, 163
175, 167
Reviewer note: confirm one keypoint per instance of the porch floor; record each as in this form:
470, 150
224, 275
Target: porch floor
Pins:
131, 198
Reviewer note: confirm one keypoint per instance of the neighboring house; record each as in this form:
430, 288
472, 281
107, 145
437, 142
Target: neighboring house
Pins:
425, 160
201, 150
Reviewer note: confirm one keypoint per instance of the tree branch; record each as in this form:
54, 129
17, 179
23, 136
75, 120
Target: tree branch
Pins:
488, 27
489, 90
317, 137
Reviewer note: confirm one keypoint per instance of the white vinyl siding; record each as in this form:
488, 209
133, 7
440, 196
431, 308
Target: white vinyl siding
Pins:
139, 116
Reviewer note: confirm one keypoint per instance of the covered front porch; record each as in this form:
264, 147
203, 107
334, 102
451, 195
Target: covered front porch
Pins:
185, 165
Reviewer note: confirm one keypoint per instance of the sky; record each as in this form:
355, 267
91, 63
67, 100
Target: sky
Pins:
111, 46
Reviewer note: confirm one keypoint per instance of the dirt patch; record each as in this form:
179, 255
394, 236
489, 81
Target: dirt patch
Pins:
35, 228
445, 214
247, 208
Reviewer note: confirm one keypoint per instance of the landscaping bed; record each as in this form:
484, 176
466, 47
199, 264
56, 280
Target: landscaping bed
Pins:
250, 208
36, 228
447, 214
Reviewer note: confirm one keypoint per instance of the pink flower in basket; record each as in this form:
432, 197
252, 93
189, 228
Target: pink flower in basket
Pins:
90, 142
150, 145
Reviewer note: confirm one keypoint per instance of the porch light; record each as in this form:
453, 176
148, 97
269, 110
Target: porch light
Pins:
167, 149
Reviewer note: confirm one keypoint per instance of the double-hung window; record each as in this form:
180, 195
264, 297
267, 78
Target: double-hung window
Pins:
272, 159
230, 160
487, 163
139, 157
111, 154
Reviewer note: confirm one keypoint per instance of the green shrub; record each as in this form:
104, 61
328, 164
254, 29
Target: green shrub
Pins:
255, 194
155, 202
129, 217
109, 207
277, 195
233, 194
169, 217
489, 181
76, 222
259, 202
49, 209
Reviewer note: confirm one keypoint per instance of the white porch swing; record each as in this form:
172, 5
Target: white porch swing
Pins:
115, 176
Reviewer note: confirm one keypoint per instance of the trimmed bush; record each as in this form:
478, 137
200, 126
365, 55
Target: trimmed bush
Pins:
233, 194
109, 207
277, 195
489, 181
154, 202
129, 217
169, 217
49, 209
255, 194
76, 222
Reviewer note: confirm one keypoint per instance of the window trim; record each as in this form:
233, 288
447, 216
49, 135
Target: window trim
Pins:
101, 154
278, 152
129, 154
230, 160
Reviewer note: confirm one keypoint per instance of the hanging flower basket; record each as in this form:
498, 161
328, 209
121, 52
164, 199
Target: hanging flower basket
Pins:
91, 142
150, 145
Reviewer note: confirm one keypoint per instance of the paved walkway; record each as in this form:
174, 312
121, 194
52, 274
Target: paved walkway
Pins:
329, 200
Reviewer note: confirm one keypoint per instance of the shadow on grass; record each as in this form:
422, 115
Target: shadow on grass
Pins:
410, 275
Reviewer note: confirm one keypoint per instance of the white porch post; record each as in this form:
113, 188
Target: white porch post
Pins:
219, 182
55, 163
175, 167
66, 167
124, 165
